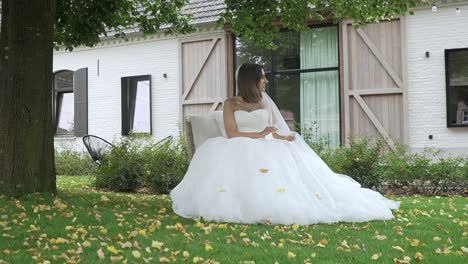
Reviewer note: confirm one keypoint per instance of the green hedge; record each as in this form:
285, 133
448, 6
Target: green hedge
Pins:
70, 162
374, 165
134, 163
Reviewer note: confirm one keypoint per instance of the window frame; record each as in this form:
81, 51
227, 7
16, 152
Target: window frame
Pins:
58, 91
125, 104
447, 86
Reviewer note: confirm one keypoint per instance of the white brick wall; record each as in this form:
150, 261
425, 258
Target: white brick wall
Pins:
104, 91
119, 59
433, 32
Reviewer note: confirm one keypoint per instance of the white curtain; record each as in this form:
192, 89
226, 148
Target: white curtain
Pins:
320, 105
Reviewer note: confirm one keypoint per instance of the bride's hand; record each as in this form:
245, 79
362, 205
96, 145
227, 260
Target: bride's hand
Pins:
287, 138
268, 130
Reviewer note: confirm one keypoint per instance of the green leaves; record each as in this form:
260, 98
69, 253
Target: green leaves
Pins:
260, 21
83, 22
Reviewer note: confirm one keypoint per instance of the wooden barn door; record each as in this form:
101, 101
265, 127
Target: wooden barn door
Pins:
203, 75
375, 81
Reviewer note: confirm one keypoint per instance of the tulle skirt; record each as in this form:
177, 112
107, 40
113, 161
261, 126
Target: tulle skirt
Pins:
244, 180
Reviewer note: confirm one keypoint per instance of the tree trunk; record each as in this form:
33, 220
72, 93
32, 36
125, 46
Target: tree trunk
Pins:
26, 134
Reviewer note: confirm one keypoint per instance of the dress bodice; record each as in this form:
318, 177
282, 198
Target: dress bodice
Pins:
254, 121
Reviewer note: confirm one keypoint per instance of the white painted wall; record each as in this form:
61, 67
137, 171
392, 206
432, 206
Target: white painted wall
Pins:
153, 55
433, 32
104, 90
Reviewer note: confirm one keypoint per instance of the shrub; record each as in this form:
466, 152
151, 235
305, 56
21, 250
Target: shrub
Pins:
165, 165
69, 162
134, 163
447, 173
401, 168
122, 168
360, 159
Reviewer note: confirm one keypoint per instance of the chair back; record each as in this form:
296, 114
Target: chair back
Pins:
97, 147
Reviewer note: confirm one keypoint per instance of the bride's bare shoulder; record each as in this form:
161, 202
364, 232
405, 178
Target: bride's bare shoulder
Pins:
233, 101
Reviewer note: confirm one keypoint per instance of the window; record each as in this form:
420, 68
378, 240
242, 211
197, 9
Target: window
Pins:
70, 102
64, 103
456, 66
136, 105
303, 75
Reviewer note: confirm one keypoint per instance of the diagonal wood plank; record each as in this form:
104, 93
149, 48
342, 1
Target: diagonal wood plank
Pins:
380, 58
205, 60
375, 121
214, 106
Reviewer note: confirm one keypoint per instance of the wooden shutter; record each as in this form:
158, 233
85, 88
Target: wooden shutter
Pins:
80, 93
375, 81
203, 75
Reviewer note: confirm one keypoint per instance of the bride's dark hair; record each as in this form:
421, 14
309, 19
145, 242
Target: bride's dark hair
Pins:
248, 77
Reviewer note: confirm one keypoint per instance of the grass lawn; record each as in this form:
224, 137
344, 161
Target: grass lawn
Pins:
82, 225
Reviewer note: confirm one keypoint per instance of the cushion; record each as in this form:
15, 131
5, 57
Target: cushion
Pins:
218, 115
204, 128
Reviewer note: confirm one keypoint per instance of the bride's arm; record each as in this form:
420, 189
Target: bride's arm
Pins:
231, 127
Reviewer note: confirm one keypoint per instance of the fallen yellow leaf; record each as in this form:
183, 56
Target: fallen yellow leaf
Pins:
157, 244
322, 243
116, 258
125, 245
100, 254
405, 260
113, 250
418, 256
415, 243
465, 250
376, 256
136, 254
133, 234
398, 248
344, 243
86, 244
380, 237
208, 247
164, 260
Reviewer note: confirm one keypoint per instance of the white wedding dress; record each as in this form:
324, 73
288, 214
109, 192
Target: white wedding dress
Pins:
244, 180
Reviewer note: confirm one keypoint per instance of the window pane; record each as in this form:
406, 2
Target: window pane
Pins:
248, 52
313, 49
288, 98
458, 65
65, 113
311, 101
457, 62
319, 48
287, 54
140, 107
320, 105
64, 80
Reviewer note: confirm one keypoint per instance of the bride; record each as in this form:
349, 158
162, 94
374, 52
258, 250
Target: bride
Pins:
264, 173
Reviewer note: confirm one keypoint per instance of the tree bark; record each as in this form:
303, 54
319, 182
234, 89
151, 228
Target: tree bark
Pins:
26, 133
